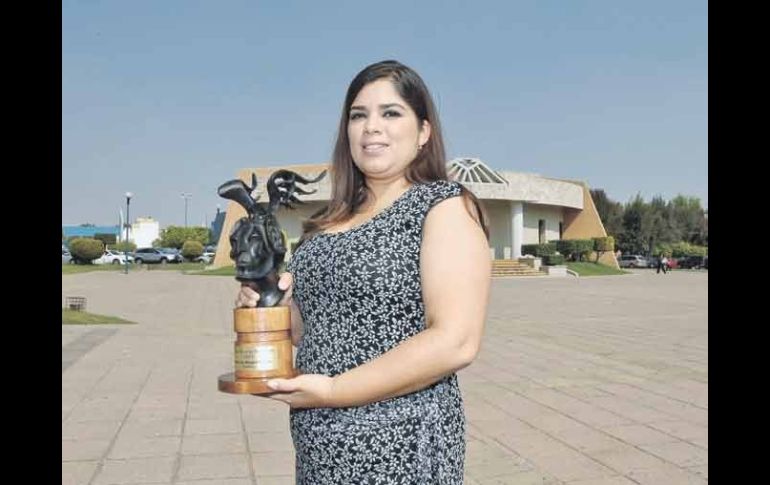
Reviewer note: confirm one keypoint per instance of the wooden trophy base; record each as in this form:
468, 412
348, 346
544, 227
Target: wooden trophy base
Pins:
230, 384
263, 350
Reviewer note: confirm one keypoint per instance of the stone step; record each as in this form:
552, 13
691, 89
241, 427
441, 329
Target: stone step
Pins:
509, 267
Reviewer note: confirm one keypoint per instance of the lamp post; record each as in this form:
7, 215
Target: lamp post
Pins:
186, 197
128, 224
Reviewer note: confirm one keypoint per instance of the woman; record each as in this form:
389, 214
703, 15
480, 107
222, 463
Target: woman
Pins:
388, 292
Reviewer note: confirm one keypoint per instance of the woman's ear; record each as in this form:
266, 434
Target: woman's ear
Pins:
424, 133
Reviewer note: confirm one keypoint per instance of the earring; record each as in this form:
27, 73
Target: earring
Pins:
419, 147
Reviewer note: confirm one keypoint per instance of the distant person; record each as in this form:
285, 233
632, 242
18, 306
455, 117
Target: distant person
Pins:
662, 264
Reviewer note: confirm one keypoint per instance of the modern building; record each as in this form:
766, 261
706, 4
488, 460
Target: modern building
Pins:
88, 230
216, 225
144, 231
522, 208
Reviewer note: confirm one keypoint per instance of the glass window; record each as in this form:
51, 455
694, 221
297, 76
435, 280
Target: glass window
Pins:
541, 231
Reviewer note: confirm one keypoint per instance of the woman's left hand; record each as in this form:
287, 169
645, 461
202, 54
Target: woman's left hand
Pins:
304, 391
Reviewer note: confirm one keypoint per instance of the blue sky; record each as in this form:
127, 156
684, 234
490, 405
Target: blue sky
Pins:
172, 97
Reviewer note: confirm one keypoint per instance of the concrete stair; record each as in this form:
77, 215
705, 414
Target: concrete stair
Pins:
510, 267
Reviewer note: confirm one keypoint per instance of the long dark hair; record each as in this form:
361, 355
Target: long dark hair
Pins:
349, 188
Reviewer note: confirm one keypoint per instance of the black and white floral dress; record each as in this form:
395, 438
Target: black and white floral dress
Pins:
360, 295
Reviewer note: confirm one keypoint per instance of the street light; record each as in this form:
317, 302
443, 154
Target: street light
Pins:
186, 197
128, 224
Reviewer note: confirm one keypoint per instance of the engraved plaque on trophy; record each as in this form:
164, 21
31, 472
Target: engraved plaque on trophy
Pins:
263, 348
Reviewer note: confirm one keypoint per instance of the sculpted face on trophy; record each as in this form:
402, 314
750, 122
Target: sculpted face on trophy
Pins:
257, 244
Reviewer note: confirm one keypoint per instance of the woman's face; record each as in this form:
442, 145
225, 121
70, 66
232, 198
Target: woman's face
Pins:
384, 131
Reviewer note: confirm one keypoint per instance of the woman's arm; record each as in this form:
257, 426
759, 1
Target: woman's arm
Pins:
455, 268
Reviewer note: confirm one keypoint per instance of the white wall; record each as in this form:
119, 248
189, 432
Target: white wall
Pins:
532, 214
144, 231
498, 212
499, 215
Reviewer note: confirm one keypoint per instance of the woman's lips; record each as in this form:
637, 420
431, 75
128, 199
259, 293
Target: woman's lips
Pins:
374, 148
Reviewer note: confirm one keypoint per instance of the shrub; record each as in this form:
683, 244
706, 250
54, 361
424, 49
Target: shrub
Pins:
539, 250
602, 244
85, 250
680, 249
553, 259
575, 249
584, 247
192, 249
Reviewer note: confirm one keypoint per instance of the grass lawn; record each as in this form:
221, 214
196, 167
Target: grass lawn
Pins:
184, 267
85, 268
72, 317
593, 269
223, 271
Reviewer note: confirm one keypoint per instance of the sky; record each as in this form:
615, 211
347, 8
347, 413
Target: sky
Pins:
175, 97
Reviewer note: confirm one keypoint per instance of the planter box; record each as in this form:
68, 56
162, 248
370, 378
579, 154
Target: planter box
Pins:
532, 262
556, 270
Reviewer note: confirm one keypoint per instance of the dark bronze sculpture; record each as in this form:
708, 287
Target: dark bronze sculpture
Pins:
263, 348
256, 241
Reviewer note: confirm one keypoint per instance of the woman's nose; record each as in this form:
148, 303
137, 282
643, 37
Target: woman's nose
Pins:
372, 124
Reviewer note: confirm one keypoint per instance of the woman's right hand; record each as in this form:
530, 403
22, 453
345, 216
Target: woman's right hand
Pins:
248, 298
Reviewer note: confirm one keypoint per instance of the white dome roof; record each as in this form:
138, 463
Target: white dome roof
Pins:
473, 170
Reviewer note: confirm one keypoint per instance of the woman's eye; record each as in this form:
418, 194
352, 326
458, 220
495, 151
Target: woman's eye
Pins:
355, 116
391, 114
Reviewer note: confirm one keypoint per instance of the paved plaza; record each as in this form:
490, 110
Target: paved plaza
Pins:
580, 381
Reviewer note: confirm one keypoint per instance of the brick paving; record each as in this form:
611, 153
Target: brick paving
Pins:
590, 381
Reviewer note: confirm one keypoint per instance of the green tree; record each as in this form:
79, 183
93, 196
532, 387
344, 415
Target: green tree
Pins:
660, 228
689, 219
637, 224
652, 228
124, 246
106, 238
175, 236
610, 212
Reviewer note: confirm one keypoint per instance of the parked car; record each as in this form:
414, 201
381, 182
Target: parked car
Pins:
152, 255
66, 257
113, 257
632, 261
205, 258
694, 262
174, 255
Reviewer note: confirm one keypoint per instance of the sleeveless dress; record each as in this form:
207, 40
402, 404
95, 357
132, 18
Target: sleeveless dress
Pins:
360, 295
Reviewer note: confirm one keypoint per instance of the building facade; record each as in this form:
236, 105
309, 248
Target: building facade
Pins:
521, 208
89, 231
144, 231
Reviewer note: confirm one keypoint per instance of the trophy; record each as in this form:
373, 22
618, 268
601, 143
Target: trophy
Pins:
263, 347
